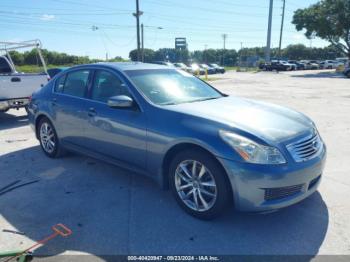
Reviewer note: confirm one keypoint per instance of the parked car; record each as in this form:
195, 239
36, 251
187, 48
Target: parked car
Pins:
54, 71
206, 146
219, 69
277, 65
330, 64
322, 64
182, 66
163, 63
291, 66
298, 65
196, 69
311, 65
210, 70
346, 72
16, 88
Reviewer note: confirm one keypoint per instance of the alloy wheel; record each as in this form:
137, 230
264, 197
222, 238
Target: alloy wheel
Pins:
47, 137
195, 185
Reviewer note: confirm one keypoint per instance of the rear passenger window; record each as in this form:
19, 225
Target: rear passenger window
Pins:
76, 83
60, 84
4, 66
107, 85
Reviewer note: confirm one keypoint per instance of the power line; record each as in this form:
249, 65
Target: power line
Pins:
203, 9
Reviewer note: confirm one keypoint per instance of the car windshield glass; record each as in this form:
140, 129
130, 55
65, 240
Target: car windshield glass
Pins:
168, 87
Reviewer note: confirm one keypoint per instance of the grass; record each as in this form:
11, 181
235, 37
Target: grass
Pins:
210, 78
230, 68
241, 69
35, 68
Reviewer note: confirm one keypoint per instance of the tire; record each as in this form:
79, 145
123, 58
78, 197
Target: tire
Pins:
48, 139
211, 187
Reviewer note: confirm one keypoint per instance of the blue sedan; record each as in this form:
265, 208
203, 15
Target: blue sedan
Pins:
212, 150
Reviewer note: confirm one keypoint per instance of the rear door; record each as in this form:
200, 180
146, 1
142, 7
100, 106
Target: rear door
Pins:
69, 105
118, 133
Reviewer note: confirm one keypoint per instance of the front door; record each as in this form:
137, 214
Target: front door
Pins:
118, 133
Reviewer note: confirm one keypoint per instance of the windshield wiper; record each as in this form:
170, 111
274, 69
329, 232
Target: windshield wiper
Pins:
203, 99
167, 103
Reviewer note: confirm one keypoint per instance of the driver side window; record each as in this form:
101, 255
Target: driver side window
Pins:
106, 85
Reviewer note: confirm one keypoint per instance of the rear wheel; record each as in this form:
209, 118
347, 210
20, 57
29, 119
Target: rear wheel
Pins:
199, 184
48, 138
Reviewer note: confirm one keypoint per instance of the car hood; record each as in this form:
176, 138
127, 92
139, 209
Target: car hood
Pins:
266, 121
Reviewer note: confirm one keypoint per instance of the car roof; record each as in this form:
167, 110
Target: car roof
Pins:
124, 66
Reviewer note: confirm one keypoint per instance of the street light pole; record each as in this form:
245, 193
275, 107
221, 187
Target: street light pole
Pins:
143, 39
268, 41
224, 36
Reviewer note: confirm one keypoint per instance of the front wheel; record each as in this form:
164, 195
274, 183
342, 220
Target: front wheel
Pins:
48, 138
199, 184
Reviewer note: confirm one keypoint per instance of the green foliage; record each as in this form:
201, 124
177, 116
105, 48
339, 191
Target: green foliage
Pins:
118, 59
163, 54
51, 57
327, 19
298, 52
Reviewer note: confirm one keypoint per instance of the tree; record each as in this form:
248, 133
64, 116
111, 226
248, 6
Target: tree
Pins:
296, 52
148, 55
327, 19
17, 57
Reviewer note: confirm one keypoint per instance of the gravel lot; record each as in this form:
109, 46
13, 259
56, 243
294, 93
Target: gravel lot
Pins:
112, 211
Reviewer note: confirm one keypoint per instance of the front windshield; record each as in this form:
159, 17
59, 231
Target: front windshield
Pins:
168, 86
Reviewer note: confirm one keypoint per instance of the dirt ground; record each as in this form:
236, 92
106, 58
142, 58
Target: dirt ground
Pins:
112, 211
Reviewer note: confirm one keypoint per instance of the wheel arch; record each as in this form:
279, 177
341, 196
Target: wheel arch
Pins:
177, 148
37, 121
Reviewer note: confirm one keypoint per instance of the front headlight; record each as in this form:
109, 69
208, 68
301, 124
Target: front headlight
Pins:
251, 151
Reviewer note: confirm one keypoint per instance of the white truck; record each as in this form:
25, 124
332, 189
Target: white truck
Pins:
16, 88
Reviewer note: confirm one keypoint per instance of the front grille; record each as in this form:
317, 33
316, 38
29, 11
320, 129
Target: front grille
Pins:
282, 192
306, 148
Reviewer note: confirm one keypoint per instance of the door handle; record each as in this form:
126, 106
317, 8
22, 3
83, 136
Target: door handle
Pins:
92, 112
54, 101
15, 79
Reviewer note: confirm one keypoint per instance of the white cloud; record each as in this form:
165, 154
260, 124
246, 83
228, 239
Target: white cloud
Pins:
47, 17
298, 36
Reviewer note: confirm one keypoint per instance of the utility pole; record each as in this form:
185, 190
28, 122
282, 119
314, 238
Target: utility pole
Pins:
268, 42
224, 36
240, 55
137, 15
281, 33
142, 45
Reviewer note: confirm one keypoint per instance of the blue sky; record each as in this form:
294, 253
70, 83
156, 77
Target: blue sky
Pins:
66, 25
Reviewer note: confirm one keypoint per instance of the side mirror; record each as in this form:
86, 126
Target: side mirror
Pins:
120, 101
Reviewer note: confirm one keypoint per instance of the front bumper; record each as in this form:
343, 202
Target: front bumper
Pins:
267, 187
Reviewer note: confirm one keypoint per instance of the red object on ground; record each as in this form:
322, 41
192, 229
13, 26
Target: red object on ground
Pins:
59, 230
